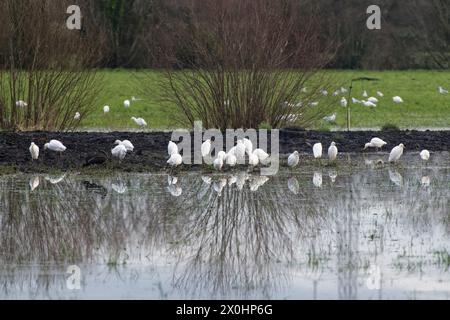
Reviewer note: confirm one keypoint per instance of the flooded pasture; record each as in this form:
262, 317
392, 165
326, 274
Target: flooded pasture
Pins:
366, 231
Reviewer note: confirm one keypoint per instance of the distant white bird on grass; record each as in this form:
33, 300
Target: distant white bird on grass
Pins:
55, 145
442, 90
21, 104
317, 150
134, 99
34, 151
105, 109
175, 160
375, 143
373, 100
330, 118
368, 104
172, 148
293, 159
206, 148
77, 116
396, 153
325, 92
139, 121
126, 103
336, 93
332, 152
380, 94
126, 143
397, 99
344, 102
365, 94
343, 90
425, 155
119, 152
356, 101
314, 104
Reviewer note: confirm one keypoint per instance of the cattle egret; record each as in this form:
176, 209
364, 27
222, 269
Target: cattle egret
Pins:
218, 163
425, 155
396, 153
317, 150
230, 160
317, 179
375, 143
106, 109
222, 155
373, 100
443, 91
368, 104
365, 95
332, 151
34, 183
344, 102
77, 116
397, 99
119, 152
330, 118
34, 151
293, 159
253, 160
380, 94
127, 144
206, 148
314, 104
261, 154
21, 104
139, 121
55, 145
325, 92
240, 150
126, 103
343, 90
336, 93
172, 148
293, 185
248, 146
356, 101
175, 160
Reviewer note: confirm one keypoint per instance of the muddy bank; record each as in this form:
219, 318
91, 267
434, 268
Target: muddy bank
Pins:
92, 150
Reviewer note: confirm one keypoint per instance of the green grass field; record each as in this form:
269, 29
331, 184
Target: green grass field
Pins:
424, 107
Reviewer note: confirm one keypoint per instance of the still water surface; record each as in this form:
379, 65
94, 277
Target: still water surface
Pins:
348, 232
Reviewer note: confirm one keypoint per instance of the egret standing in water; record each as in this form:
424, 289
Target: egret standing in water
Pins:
332, 151
375, 143
127, 144
317, 150
248, 146
396, 153
293, 159
218, 163
425, 155
175, 160
119, 152
77, 116
262, 155
34, 151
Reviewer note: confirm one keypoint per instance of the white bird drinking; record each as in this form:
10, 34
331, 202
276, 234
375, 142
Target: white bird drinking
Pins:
375, 143
396, 153
442, 90
368, 104
55, 145
139, 121
293, 159
34, 151
332, 151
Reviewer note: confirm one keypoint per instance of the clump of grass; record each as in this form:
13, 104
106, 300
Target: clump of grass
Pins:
390, 127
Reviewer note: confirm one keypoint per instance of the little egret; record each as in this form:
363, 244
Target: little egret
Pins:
425, 155
344, 102
317, 150
380, 94
231, 160
253, 160
218, 163
55, 145
261, 154
139, 121
21, 104
175, 160
106, 109
344, 90
127, 144
119, 152
397, 99
356, 101
365, 95
330, 118
375, 143
248, 146
293, 159
126, 103
240, 150
442, 90
332, 152
325, 92
396, 153
34, 151
222, 154
77, 116
368, 104
172, 148
373, 100
206, 148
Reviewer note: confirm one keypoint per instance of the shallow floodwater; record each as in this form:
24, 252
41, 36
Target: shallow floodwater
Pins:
365, 231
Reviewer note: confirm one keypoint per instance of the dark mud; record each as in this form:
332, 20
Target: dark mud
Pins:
91, 150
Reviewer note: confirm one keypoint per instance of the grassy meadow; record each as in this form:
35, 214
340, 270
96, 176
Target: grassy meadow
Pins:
423, 106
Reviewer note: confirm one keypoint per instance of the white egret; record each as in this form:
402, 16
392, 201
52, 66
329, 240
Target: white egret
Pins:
175, 160
442, 90
317, 179
134, 99
218, 163
373, 100
425, 155
293, 159
77, 116
368, 104
253, 160
119, 152
34, 183
172, 148
139, 121
21, 104
332, 152
314, 104
55, 145
206, 148
240, 150
325, 92
344, 90
248, 145
375, 143
397, 99
222, 154
317, 150
336, 93
344, 102
34, 151
126, 103
330, 118
127, 144
262, 155
105, 109
365, 94
293, 185
380, 94
396, 153
356, 101
230, 160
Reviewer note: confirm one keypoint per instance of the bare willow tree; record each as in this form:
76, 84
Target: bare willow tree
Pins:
45, 74
246, 63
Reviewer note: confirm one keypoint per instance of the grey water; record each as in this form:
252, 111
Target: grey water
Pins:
357, 230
